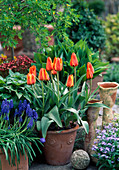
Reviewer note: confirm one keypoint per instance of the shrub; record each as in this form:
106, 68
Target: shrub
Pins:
112, 74
107, 147
98, 6
112, 32
88, 28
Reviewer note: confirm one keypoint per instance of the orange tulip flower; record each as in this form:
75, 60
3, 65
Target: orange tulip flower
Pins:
49, 64
47, 77
32, 70
31, 79
43, 75
90, 71
57, 64
70, 81
53, 72
73, 61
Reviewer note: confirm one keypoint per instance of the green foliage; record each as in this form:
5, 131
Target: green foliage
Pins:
112, 74
64, 51
112, 32
98, 6
15, 86
88, 28
34, 14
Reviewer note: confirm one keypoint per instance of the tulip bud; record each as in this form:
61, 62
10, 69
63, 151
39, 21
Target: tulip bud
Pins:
53, 72
43, 75
49, 64
57, 64
31, 79
32, 70
70, 81
90, 71
73, 61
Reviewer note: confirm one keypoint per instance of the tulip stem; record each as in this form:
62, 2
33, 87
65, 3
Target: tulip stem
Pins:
43, 98
75, 74
58, 86
52, 80
69, 96
90, 88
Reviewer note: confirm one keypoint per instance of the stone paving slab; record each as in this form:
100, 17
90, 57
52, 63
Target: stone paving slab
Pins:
50, 167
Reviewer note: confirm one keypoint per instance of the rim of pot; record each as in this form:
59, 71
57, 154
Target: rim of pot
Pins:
108, 85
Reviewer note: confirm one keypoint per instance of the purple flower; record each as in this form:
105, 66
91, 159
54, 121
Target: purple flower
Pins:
35, 115
11, 104
20, 119
103, 143
107, 149
101, 149
30, 124
30, 113
16, 112
24, 104
27, 109
42, 140
6, 117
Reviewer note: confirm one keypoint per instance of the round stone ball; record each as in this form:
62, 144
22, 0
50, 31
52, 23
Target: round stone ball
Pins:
80, 159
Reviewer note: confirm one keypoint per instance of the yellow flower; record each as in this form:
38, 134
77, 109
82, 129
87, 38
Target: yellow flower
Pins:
15, 58
9, 8
53, 13
67, 5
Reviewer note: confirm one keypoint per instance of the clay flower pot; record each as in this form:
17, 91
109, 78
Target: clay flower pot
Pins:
92, 115
108, 91
59, 146
6, 166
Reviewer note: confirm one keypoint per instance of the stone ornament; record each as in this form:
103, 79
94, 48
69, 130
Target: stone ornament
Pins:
80, 159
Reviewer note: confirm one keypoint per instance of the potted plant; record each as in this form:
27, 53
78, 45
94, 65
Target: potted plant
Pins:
58, 109
16, 135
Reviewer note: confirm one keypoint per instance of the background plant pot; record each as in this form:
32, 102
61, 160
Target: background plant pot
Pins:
95, 81
108, 91
92, 115
6, 166
59, 146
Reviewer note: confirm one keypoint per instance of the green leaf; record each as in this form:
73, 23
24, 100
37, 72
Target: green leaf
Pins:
45, 123
54, 115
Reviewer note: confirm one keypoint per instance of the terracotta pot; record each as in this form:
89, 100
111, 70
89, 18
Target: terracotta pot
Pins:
95, 81
92, 115
59, 146
6, 166
108, 91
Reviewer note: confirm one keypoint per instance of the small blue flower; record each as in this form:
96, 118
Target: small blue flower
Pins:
24, 104
42, 140
30, 113
35, 115
20, 119
16, 112
11, 104
30, 124
27, 109
6, 117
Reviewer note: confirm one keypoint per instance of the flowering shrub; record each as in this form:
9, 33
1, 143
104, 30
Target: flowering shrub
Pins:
107, 147
20, 64
16, 132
